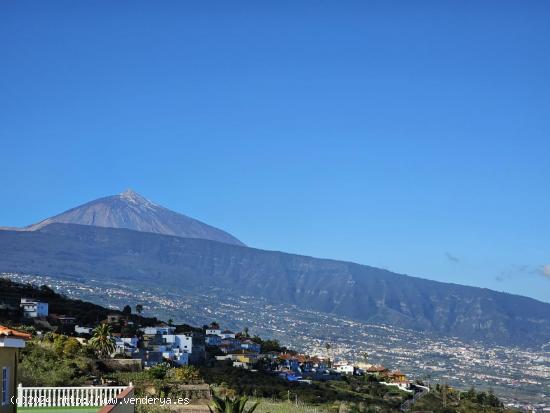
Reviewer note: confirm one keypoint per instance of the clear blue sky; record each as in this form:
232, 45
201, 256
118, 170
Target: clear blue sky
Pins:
413, 136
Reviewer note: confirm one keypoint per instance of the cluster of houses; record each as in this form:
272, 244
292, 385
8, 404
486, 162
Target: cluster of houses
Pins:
228, 342
303, 368
162, 343
155, 345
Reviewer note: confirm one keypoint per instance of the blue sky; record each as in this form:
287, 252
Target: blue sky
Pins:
412, 136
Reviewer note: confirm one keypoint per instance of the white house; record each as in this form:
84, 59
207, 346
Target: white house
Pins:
34, 309
125, 344
163, 330
345, 369
178, 357
182, 342
402, 385
214, 330
82, 330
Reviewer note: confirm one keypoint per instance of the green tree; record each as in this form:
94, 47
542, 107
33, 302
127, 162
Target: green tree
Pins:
71, 347
42, 366
59, 343
139, 308
159, 371
187, 374
231, 405
127, 310
102, 341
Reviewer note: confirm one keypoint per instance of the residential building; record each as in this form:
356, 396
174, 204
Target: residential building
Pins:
177, 357
227, 334
378, 371
213, 329
230, 345
33, 309
82, 330
183, 342
241, 359
345, 369
162, 330
148, 358
125, 345
212, 340
180, 349
397, 377
251, 346
10, 342
115, 318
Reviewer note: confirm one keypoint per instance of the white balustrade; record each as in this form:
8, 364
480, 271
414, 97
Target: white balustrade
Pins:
67, 396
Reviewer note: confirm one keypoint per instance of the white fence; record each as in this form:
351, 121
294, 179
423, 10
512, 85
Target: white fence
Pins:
67, 396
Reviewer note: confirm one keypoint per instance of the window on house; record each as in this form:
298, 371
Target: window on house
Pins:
5, 386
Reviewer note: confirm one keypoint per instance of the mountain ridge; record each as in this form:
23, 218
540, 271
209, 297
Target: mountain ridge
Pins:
342, 288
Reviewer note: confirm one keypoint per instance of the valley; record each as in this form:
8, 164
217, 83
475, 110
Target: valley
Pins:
520, 377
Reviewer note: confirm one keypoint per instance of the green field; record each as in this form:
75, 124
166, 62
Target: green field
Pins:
58, 409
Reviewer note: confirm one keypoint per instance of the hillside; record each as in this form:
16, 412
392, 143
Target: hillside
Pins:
356, 291
86, 313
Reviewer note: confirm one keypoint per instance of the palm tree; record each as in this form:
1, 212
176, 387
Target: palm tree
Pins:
229, 405
102, 341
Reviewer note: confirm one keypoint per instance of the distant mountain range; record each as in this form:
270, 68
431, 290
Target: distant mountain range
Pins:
132, 211
187, 263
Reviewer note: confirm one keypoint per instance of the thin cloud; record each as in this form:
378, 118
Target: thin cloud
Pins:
451, 257
516, 271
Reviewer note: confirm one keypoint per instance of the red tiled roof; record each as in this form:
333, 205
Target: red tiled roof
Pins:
5, 331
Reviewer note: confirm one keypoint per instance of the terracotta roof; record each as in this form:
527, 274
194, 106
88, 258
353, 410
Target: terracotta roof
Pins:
5, 331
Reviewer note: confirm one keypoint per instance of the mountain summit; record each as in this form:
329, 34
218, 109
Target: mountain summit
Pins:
130, 210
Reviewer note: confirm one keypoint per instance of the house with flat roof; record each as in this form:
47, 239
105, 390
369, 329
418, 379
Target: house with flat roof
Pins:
33, 309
